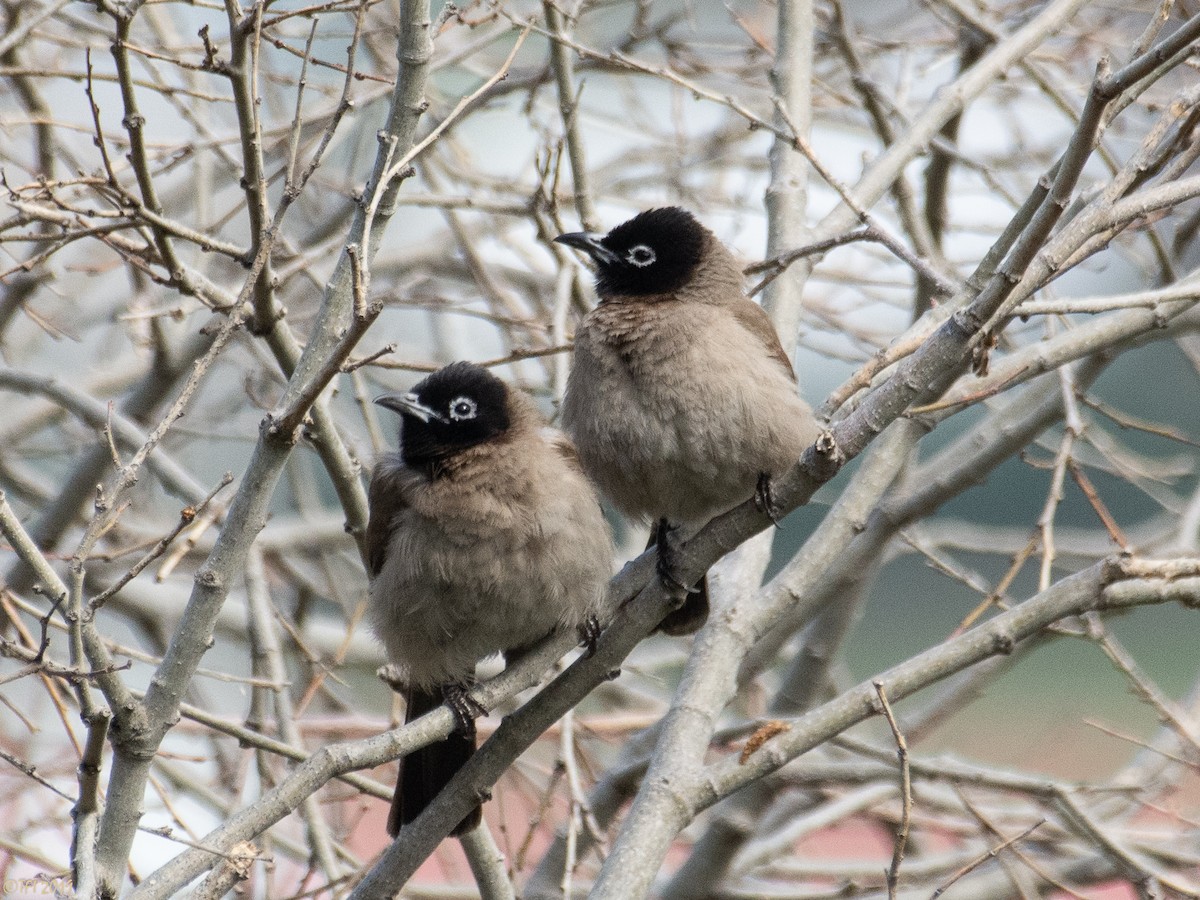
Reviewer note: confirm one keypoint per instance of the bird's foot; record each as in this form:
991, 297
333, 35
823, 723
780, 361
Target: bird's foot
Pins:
466, 708
668, 564
764, 498
589, 634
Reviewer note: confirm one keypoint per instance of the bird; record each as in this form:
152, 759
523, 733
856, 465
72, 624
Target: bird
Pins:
484, 536
681, 400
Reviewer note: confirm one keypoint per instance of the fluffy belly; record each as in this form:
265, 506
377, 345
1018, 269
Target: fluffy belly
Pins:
439, 612
677, 416
686, 474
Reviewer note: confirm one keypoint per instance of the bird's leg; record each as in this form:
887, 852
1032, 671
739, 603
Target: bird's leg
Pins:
466, 708
668, 565
764, 499
589, 634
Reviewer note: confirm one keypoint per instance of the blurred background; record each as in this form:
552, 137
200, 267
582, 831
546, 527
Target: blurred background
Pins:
134, 206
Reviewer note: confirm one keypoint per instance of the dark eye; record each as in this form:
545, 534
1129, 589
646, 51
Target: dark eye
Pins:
640, 256
462, 408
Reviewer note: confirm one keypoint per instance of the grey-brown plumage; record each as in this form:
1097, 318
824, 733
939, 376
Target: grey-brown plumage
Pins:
680, 398
484, 537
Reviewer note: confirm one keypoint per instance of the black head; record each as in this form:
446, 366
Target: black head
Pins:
454, 408
655, 252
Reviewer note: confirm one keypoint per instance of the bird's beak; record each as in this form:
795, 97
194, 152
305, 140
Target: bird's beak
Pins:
590, 244
408, 403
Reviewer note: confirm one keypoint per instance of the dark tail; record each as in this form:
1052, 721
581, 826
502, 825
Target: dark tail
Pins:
694, 612
424, 772
689, 617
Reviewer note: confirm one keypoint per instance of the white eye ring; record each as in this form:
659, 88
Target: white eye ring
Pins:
640, 256
462, 408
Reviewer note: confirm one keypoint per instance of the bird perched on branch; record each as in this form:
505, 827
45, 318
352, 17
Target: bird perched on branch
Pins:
484, 536
681, 399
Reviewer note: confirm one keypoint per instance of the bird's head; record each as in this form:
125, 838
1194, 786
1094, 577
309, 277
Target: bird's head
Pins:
655, 252
456, 407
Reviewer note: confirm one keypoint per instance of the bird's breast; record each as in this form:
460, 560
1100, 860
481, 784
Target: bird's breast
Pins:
489, 559
675, 408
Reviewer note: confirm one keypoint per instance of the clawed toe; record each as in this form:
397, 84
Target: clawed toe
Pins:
589, 634
466, 708
764, 499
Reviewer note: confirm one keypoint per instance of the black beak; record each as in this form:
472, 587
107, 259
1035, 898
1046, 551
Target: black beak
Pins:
408, 403
589, 243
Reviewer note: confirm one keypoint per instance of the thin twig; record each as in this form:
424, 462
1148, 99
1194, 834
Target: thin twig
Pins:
901, 840
186, 517
990, 854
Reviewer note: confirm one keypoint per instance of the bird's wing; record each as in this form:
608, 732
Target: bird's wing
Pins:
385, 498
754, 319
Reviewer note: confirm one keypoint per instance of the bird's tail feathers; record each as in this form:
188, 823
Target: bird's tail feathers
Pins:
424, 772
